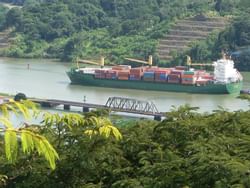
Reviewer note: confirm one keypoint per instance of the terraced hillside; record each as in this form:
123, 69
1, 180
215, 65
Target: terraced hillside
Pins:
5, 38
187, 31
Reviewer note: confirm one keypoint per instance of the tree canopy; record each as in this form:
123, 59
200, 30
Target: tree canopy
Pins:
118, 28
187, 149
48, 28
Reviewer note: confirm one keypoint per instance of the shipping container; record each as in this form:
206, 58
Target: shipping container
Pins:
181, 68
123, 73
122, 77
135, 77
201, 81
148, 74
111, 76
151, 69
100, 71
188, 73
174, 78
178, 72
121, 67
161, 76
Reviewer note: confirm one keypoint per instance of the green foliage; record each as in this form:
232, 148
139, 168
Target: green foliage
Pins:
30, 140
187, 149
17, 2
67, 29
225, 6
3, 12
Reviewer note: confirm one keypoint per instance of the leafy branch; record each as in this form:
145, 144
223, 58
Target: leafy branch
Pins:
30, 140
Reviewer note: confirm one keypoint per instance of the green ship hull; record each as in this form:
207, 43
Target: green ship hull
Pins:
90, 80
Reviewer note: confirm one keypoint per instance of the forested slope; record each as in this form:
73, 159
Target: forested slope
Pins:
186, 31
116, 29
67, 29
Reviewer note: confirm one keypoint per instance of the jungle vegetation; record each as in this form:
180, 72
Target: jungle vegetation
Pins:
120, 28
187, 149
23, 142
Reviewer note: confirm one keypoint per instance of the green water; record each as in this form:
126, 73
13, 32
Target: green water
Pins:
48, 79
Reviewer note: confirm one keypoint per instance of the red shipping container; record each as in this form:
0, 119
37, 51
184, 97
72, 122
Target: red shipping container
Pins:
188, 76
181, 68
121, 67
100, 71
123, 78
151, 69
179, 72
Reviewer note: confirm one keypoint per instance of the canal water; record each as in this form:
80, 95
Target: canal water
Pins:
47, 79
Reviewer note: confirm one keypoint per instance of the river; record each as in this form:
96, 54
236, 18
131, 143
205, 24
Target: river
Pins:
47, 79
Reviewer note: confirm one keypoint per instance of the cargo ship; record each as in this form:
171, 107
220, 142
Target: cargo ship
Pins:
225, 79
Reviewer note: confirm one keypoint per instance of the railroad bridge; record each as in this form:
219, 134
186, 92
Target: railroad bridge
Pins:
115, 104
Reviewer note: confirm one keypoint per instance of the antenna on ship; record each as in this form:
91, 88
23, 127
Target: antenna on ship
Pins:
100, 63
149, 62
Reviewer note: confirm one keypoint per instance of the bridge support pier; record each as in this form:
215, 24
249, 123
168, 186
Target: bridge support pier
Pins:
46, 104
66, 107
157, 118
85, 109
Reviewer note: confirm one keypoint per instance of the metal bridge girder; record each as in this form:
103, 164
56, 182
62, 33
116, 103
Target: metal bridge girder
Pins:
131, 105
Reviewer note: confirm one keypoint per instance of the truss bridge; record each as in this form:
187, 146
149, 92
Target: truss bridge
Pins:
131, 105
115, 104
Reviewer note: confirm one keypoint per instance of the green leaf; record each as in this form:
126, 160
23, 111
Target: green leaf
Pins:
23, 109
6, 122
10, 138
31, 141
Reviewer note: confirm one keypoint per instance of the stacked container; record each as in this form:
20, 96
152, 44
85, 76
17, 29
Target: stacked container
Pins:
111, 74
136, 73
207, 76
188, 78
149, 76
161, 75
121, 67
151, 69
123, 74
201, 81
181, 68
175, 76
100, 73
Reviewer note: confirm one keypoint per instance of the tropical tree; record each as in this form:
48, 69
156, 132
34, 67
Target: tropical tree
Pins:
24, 136
78, 139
